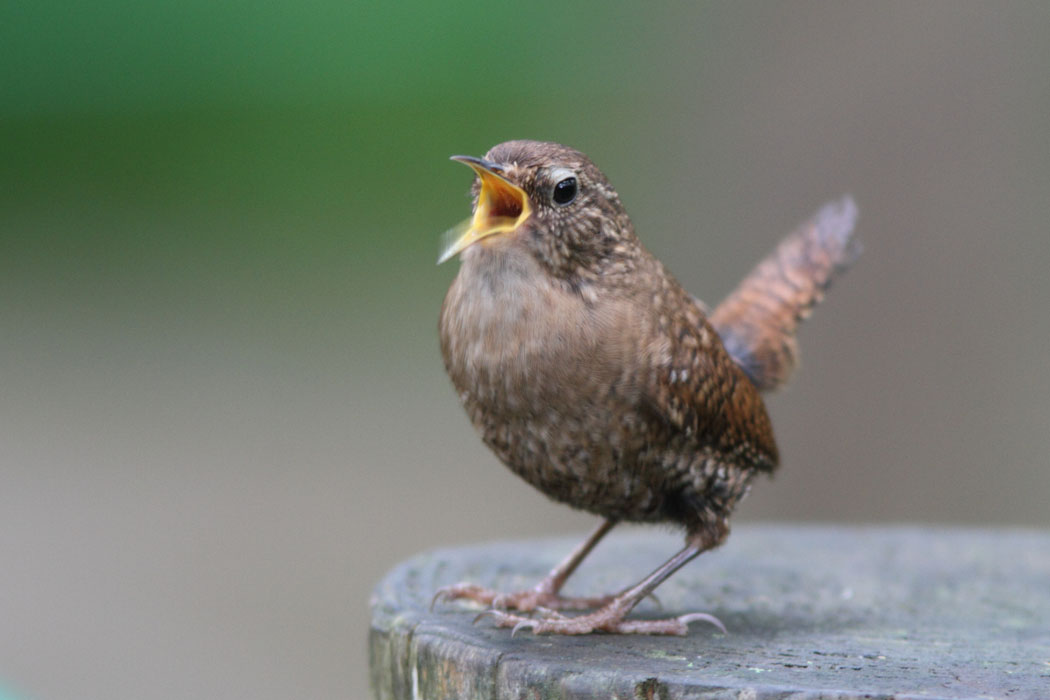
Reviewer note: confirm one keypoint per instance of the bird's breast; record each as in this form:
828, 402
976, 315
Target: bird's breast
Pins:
506, 322
551, 381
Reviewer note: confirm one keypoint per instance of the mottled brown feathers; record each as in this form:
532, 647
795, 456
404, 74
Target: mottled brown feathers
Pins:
597, 378
758, 321
594, 376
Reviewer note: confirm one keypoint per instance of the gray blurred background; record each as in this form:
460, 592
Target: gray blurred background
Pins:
223, 413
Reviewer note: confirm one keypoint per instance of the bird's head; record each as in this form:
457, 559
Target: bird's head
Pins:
548, 198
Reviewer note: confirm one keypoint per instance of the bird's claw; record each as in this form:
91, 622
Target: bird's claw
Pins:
531, 624
441, 594
703, 617
677, 626
504, 619
491, 611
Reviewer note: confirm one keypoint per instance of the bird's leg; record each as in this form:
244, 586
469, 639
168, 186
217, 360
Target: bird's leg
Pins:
610, 618
544, 594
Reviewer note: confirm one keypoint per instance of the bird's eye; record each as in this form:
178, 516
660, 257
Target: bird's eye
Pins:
565, 191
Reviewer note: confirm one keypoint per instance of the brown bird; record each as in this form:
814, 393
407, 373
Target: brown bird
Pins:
597, 378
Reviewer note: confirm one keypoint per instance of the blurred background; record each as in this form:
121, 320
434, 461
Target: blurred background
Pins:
223, 413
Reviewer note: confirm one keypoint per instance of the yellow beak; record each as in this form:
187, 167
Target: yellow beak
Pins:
502, 206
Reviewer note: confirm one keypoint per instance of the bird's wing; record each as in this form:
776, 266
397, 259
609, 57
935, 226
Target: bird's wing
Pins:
701, 393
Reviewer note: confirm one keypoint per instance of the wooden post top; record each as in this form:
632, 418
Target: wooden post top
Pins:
812, 612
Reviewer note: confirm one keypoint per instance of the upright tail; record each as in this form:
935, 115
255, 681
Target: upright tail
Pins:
758, 321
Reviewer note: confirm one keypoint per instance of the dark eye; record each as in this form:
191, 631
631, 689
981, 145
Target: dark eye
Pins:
565, 191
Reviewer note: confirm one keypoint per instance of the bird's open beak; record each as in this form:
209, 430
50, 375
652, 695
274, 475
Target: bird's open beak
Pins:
502, 206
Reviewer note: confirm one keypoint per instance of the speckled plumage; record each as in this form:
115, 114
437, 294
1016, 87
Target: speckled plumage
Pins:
588, 369
591, 372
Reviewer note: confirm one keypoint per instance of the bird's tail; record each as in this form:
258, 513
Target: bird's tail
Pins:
758, 321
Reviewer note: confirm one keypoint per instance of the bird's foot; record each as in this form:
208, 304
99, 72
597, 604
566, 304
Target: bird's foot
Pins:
608, 619
537, 598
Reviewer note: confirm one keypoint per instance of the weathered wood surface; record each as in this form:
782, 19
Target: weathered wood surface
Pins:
812, 612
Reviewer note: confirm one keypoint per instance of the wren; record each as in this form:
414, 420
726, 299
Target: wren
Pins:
593, 375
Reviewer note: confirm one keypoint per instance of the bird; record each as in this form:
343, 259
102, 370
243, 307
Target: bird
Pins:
596, 377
